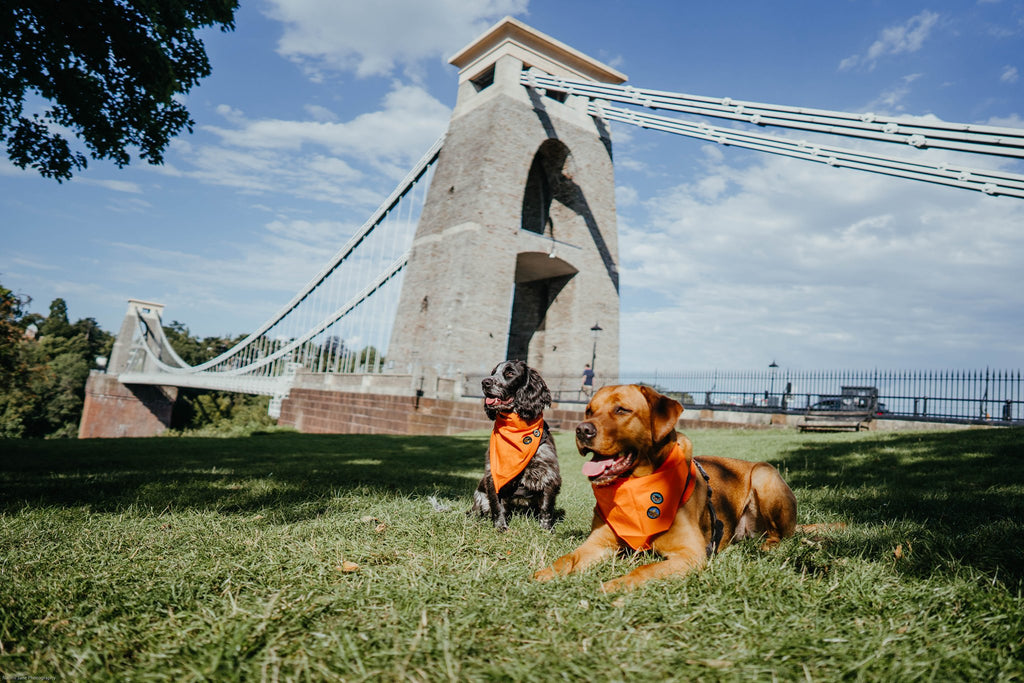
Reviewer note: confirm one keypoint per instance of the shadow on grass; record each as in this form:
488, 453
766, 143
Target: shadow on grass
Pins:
949, 500
296, 474
946, 499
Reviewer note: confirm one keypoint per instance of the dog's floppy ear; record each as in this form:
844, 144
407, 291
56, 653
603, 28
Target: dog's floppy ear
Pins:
665, 413
533, 396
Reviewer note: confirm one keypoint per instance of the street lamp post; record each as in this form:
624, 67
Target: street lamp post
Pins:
772, 368
596, 330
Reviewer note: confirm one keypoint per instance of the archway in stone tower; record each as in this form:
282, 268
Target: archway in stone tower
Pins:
542, 289
550, 195
542, 279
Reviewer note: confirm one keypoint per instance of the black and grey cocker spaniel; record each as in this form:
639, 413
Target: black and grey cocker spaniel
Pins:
521, 467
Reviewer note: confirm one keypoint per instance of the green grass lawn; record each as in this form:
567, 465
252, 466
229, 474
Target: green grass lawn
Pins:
288, 556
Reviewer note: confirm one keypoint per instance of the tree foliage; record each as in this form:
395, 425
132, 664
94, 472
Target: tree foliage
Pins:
12, 333
56, 324
194, 350
109, 71
43, 377
212, 411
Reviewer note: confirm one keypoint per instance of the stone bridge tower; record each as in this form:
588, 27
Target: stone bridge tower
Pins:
516, 251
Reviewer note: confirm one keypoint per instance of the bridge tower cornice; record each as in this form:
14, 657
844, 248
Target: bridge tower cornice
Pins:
534, 49
491, 66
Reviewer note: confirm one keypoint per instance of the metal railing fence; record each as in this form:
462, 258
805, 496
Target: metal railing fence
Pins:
970, 396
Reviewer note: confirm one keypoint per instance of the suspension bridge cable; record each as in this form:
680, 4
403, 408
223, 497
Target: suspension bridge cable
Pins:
989, 182
918, 132
312, 332
1007, 142
259, 337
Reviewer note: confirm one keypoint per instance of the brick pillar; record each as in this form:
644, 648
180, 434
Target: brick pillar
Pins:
114, 410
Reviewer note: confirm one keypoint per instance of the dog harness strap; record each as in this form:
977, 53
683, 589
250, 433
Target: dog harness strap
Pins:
691, 482
514, 442
639, 508
716, 524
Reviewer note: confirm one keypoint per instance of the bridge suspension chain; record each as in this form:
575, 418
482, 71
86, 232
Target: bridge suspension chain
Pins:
970, 138
336, 261
339, 321
989, 182
292, 345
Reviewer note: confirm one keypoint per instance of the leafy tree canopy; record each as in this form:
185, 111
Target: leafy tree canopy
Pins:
109, 71
194, 350
57, 322
12, 311
42, 376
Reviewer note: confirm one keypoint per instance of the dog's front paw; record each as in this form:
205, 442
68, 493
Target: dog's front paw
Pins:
545, 574
617, 585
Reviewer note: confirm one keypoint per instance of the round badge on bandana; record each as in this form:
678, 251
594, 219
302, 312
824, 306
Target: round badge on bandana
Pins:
653, 512
527, 440
657, 498
536, 432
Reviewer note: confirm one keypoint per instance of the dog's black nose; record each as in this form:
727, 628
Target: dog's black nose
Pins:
586, 431
486, 382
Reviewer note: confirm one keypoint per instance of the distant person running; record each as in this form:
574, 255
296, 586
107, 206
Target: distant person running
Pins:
588, 381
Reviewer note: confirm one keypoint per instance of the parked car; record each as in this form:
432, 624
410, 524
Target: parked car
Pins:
859, 399
829, 404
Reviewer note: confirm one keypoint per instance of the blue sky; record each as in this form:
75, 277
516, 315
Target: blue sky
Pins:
729, 258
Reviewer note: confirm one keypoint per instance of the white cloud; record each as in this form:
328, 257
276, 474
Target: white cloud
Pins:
1011, 121
130, 205
817, 267
625, 195
230, 113
353, 163
345, 162
270, 267
373, 38
906, 38
1009, 74
849, 62
114, 185
894, 40
32, 264
409, 120
320, 113
891, 99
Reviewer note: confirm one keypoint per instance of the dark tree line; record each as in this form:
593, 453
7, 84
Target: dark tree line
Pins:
44, 364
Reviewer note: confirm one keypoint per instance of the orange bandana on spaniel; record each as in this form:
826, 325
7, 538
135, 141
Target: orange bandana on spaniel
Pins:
514, 442
639, 508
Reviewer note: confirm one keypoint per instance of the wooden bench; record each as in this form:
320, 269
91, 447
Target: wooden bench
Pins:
836, 421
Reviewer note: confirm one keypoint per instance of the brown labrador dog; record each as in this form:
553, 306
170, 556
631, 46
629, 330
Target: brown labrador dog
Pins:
630, 432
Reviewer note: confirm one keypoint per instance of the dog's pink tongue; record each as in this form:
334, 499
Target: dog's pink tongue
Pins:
490, 401
595, 468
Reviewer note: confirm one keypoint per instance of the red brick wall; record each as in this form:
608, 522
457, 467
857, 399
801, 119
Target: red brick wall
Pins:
315, 411
114, 410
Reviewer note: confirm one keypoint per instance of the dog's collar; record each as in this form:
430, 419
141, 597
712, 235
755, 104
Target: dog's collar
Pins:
639, 508
514, 442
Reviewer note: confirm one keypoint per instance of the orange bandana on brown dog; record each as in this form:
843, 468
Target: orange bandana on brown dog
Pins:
639, 508
514, 442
